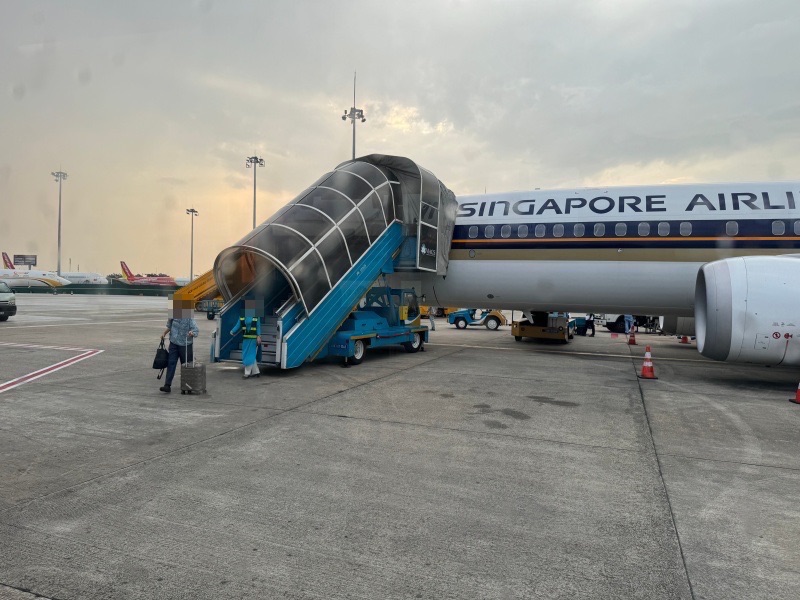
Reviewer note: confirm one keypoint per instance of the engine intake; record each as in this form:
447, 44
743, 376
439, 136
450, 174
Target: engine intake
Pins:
746, 310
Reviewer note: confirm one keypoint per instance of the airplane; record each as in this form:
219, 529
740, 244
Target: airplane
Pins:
72, 276
165, 281
86, 277
719, 259
23, 278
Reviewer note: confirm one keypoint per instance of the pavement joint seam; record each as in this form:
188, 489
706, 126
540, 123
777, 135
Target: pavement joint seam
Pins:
27, 503
731, 462
661, 477
27, 591
457, 430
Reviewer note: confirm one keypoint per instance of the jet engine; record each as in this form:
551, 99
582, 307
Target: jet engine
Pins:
746, 310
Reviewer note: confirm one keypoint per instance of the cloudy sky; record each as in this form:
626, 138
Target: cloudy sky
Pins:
152, 106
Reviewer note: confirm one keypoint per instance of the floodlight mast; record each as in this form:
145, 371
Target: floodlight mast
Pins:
193, 213
355, 113
59, 177
255, 161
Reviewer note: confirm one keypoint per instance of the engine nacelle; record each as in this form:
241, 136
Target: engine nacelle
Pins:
747, 309
676, 325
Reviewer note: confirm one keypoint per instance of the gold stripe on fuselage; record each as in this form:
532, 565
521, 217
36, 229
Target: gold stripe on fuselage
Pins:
699, 255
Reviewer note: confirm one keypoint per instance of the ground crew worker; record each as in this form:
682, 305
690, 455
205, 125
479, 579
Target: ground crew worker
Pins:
628, 323
250, 325
590, 324
431, 310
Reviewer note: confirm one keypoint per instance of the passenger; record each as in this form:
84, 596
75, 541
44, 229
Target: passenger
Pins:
590, 324
250, 325
182, 330
628, 324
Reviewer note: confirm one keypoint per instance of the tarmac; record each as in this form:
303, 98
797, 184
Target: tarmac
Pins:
480, 468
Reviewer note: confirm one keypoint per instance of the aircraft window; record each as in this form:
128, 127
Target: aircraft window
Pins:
644, 229
558, 230
488, 232
620, 229
797, 227
505, 231
663, 228
778, 228
539, 230
578, 230
522, 231
599, 230
731, 228
686, 228
473, 231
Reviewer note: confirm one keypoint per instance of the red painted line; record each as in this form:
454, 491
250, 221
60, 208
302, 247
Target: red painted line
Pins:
10, 385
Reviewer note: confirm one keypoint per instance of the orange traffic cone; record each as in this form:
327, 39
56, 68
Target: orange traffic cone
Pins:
632, 338
685, 339
796, 398
647, 366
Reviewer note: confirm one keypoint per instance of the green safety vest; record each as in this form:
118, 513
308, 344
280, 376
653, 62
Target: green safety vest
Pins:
251, 332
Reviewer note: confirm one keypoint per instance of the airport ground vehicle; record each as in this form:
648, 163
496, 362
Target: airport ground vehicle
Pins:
491, 319
211, 307
616, 323
547, 326
439, 311
389, 316
8, 302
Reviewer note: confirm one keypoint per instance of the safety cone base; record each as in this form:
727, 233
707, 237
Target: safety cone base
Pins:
654, 377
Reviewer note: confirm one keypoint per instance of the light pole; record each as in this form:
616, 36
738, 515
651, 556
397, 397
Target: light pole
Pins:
60, 176
355, 113
194, 213
255, 161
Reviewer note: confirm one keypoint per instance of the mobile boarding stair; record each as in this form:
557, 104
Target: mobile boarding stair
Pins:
304, 270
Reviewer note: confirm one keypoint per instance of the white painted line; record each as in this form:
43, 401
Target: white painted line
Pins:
84, 354
568, 353
84, 324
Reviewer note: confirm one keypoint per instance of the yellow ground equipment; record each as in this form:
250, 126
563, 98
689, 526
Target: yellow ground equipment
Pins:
545, 326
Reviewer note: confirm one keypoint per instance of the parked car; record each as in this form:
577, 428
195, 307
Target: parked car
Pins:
8, 302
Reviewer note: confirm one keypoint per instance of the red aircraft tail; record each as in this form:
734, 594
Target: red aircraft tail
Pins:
128, 275
7, 261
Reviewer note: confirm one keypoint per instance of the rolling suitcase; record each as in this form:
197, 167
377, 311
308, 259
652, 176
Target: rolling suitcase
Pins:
193, 377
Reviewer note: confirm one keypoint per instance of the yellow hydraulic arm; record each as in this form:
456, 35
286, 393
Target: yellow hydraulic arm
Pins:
202, 288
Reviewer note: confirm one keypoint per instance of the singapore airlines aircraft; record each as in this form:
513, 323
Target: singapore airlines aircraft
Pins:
725, 254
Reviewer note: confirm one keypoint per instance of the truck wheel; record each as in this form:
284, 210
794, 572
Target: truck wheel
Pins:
517, 338
359, 349
210, 316
460, 323
4, 318
414, 345
492, 323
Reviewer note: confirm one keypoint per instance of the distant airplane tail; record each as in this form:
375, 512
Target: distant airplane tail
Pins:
127, 271
7, 261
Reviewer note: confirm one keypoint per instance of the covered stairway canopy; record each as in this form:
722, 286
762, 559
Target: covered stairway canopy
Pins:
305, 249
